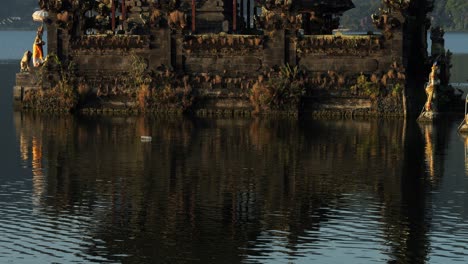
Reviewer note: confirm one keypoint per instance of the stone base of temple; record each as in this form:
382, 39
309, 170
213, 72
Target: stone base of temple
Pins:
208, 57
427, 116
463, 128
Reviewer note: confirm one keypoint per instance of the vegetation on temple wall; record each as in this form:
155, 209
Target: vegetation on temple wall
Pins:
223, 43
281, 91
166, 94
367, 87
397, 89
101, 42
379, 85
62, 95
340, 45
283, 88
278, 89
138, 71
363, 85
159, 91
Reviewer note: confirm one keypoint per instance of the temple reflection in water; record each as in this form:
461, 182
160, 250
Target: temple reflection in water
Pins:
464, 139
210, 188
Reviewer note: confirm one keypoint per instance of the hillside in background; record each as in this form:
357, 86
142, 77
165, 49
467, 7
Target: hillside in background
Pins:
17, 14
450, 14
359, 18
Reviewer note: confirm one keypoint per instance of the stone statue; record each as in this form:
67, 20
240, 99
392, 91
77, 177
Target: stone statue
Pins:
431, 92
38, 52
26, 61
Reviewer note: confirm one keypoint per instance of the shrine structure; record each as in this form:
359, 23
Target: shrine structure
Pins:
230, 56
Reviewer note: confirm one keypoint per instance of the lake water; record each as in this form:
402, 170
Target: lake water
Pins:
87, 190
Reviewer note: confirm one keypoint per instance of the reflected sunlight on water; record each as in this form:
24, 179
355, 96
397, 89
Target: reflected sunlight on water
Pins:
87, 190
241, 190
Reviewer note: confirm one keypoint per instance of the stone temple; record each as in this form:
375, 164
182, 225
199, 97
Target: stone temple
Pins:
231, 56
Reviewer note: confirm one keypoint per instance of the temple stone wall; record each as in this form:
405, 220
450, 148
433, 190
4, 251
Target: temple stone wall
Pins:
160, 53
249, 64
324, 63
351, 54
247, 57
383, 63
156, 50
280, 49
227, 55
102, 63
275, 49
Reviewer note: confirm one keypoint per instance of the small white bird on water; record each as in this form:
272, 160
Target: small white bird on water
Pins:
146, 138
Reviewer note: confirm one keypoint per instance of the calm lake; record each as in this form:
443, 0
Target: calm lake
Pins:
87, 190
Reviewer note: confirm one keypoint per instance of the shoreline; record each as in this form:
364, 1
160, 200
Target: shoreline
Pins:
10, 62
18, 29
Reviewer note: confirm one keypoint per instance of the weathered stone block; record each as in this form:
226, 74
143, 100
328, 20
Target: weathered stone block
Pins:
18, 93
229, 65
25, 79
340, 64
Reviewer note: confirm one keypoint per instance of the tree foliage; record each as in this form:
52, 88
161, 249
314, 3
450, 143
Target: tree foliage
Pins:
449, 14
359, 18
457, 13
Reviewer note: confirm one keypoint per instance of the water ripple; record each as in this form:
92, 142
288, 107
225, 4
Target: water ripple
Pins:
221, 191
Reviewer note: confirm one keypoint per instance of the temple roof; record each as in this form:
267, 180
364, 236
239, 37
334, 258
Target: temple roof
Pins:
332, 6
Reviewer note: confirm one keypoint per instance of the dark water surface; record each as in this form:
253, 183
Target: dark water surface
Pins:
87, 190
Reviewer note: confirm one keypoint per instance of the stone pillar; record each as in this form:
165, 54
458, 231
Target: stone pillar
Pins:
274, 51
52, 38
25, 81
63, 46
438, 42
234, 15
113, 15
194, 22
160, 52
177, 41
241, 13
415, 53
124, 11
290, 49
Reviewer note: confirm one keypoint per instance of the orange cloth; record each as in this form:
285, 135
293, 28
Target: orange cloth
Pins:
38, 53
